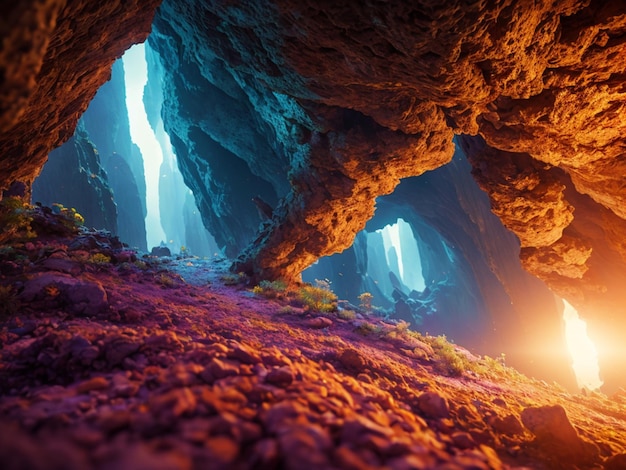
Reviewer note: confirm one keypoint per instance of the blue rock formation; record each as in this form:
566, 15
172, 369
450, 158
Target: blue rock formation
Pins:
74, 177
180, 219
104, 135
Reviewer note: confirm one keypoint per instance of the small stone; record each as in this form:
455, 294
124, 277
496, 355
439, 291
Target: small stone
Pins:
122, 387
119, 348
243, 354
281, 377
96, 383
220, 369
305, 446
352, 360
433, 405
265, 454
114, 421
176, 402
616, 462
462, 440
223, 449
62, 265
319, 322
509, 425
347, 458
556, 435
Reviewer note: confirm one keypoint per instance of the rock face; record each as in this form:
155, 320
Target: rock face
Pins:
373, 93
180, 219
74, 177
55, 55
100, 183
477, 292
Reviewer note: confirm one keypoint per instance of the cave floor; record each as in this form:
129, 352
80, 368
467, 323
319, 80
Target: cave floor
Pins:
177, 364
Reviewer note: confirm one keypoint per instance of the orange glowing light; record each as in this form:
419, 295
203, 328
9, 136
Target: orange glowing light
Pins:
582, 350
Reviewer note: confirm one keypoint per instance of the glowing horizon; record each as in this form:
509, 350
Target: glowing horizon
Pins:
582, 350
136, 77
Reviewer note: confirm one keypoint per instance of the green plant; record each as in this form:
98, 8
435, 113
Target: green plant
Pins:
447, 359
233, 279
366, 301
366, 328
166, 280
141, 264
99, 259
318, 297
270, 289
69, 216
286, 310
346, 314
15, 219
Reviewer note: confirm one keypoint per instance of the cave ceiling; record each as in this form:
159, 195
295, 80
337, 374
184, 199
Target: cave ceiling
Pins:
372, 92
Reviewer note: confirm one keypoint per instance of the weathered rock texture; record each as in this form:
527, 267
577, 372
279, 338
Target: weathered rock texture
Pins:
106, 184
374, 94
75, 178
54, 57
477, 293
180, 219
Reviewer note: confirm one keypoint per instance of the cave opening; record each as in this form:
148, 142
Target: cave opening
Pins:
582, 350
460, 283
402, 255
152, 151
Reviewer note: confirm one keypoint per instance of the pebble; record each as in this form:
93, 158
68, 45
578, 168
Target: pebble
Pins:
433, 405
96, 383
120, 347
555, 435
319, 322
281, 377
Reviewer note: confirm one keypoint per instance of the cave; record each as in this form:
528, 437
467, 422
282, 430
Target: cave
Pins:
278, 234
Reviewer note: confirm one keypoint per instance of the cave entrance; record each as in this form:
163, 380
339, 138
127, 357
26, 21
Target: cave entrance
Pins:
135, 79
400, 265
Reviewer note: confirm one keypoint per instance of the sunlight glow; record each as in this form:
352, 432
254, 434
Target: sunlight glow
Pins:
136, 73
581, 348
400, 237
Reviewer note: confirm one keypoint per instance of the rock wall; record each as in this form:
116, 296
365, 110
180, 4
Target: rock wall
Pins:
116, 169
54, 57
74, 177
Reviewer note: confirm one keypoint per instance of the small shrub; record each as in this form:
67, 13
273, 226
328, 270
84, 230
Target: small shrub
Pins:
15, 220
286, 310
233, 279
346, 314
447, 360
366, 301
70, 218
141, 264
270, 289
165, 280
319, 297
99, 259
367, 328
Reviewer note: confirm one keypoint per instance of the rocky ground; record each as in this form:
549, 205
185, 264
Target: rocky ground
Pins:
110, 360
